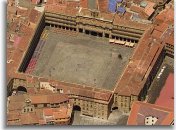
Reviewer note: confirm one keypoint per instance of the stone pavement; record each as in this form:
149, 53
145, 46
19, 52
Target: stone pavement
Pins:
115, 118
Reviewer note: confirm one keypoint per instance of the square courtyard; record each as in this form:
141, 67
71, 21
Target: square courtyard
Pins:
81, 59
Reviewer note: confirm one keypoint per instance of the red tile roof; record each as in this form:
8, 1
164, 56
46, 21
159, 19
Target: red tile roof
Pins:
138, 69
141, 110
149, 8
24, 12
38, 98
103, 5
166, 16
61, 9
29, 118
166, 98
156, 34
161, 27
84, 91
128, 23
34, 16
52, 98
136, 9
47, 112
12, 116
84, 3
170, 39
35, 1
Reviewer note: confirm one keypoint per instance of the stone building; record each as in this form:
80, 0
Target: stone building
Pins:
46, 109
93, 102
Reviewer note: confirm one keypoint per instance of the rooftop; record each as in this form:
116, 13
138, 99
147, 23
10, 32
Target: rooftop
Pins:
166, 16
61, 9
139, 67
140, 111
22, 24
166, 98
39, 98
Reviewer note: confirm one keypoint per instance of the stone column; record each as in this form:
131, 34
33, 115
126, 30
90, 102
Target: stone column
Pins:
103, 34
83, 30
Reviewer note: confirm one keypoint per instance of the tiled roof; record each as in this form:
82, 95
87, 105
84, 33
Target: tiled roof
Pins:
12, 116
161, 27
38, 98
103, 5
56, 113
29, 118
166, 16
149, 8
136, 9
139, 67
24, 12
52, 98
61, 9
34, 16
141, 110
84, 91
127, 23
170, 39
166, 98
156, 34
84, 3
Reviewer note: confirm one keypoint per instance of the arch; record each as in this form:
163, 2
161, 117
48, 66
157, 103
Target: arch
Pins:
80, 30
86, 31
100, 34
106, 35
114, 108
136, 41
63, 27
93, 33
21, 89
113, 37
76, 108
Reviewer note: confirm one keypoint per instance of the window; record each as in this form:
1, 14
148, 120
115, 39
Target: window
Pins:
121, 99
150, 120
